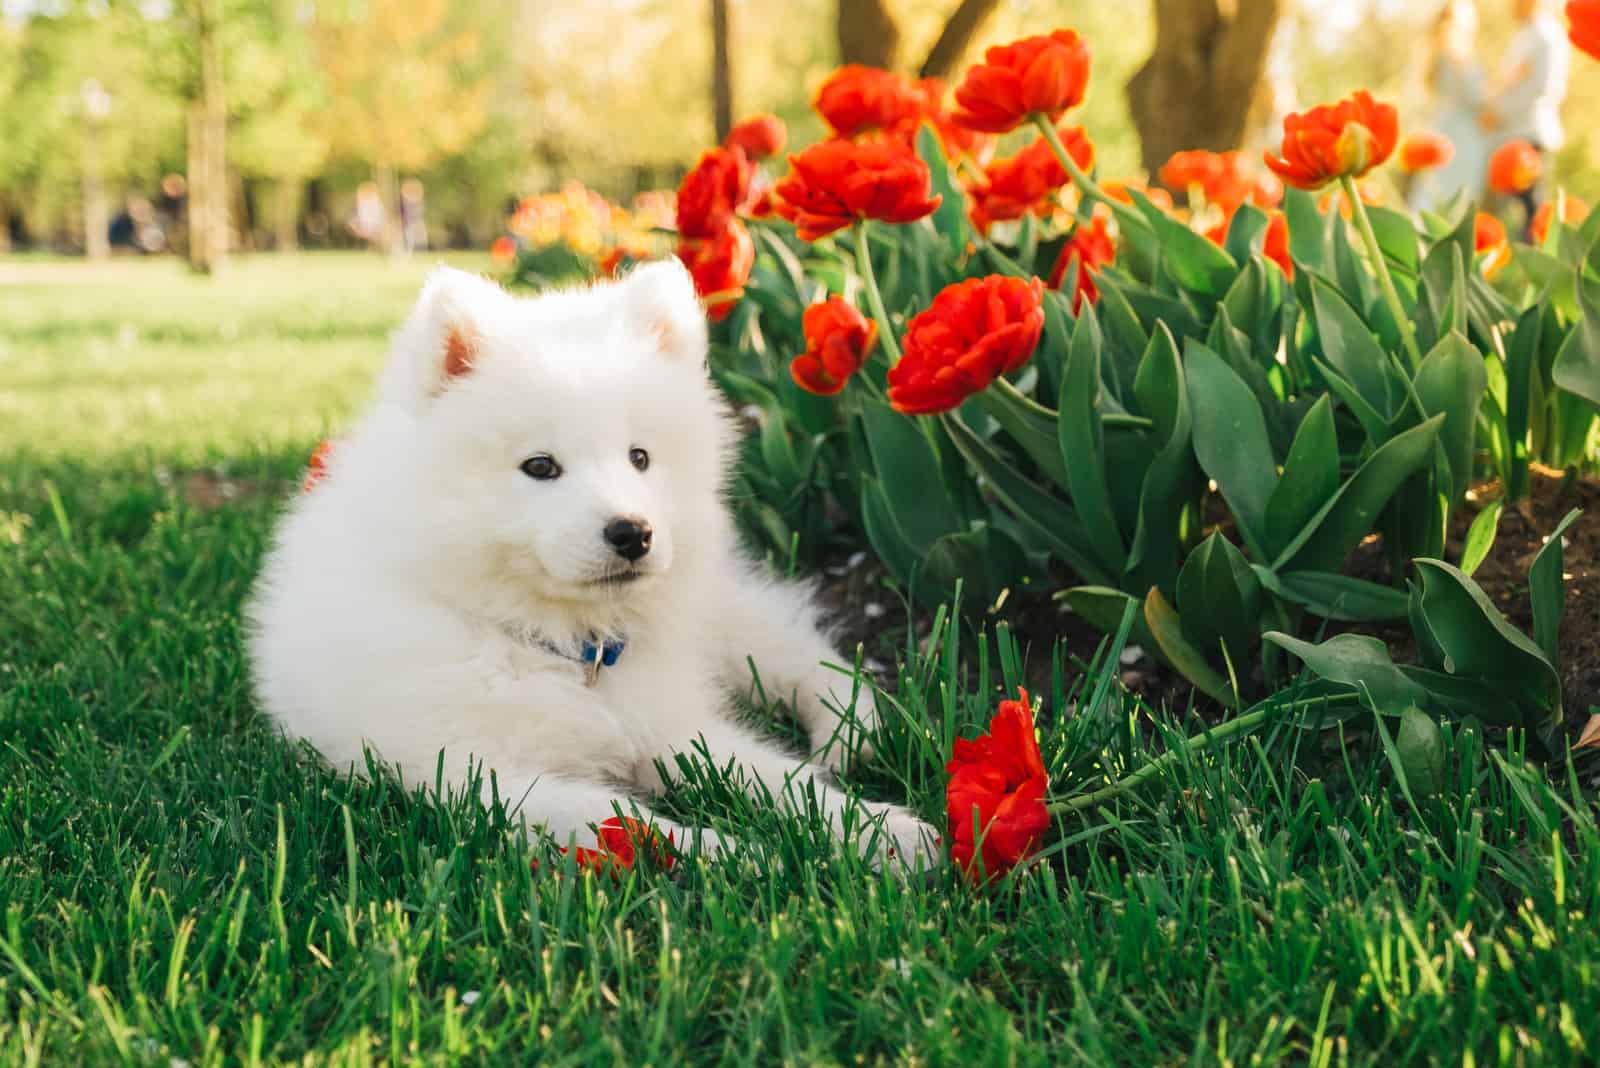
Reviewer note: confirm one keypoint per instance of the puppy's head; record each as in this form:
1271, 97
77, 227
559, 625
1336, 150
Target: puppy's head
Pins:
569, 445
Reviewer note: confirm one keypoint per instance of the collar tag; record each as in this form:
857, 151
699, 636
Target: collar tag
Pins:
596, 656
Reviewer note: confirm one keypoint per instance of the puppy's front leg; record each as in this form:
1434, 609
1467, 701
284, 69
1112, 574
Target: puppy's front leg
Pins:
776, 625
766, 771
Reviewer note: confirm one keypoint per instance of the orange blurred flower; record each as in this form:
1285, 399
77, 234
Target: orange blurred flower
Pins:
973, 332
1034, 76
838, 340
1332, 141
1573, 212
833, 183
994, 801
720, 266
1092, 248
317, 466
712, 193
1489, 242
856, 100
759, 136
503, 250
1120, 191
1424, 151
1223, 178
1514, 168
621, 257
1012, 187
1583, 18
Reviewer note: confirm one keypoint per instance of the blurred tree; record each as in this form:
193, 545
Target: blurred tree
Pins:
279, 98
869, 32
721, 71
85, 114
1198, 86
405, 87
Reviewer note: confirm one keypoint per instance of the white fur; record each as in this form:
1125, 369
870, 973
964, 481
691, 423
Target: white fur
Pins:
388, 610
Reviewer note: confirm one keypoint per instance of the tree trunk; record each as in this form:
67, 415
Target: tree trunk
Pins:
5, 222
1197, 87
207, 156
963, 26
721, 70
96, 210
286, 196
389, 192
867, 33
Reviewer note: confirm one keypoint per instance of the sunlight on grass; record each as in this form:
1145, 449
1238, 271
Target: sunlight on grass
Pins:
98, 360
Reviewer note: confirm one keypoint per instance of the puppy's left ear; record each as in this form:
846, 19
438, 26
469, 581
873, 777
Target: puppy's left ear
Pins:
662, 306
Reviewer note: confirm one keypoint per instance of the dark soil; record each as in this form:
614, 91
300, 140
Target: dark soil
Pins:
868, 608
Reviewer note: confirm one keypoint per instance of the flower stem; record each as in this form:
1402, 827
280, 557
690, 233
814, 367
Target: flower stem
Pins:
1091, 188
891, 344
1369, 237
1222, 733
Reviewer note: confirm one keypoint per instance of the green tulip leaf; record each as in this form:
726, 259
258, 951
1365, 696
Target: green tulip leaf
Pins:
1547, 590
1230, 440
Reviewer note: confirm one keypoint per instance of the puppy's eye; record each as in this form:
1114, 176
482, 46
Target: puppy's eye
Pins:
639, 458
541, 467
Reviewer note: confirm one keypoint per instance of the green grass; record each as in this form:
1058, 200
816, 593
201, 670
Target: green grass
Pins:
176, 883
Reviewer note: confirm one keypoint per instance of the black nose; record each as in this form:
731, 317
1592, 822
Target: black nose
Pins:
629, 536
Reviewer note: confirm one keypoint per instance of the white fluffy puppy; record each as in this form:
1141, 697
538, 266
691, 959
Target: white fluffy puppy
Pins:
539, 486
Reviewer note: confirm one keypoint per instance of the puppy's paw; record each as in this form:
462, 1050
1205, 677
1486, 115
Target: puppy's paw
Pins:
902, 839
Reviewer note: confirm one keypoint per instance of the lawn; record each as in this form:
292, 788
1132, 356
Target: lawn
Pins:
178, 885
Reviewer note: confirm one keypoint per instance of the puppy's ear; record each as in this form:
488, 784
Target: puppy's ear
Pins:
662, 306
443, 339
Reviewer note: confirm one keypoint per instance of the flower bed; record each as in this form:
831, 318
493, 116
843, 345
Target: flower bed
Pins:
1003, 373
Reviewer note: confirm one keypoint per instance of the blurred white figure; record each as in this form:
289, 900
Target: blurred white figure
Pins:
413, 220
1524, 101
1456, 91
369, 218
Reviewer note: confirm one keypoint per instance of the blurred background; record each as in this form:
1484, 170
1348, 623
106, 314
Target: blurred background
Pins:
203, 127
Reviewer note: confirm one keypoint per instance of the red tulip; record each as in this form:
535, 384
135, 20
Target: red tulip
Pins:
1033, 76
712, 193
1332, 141
1016, 185
838, 340
1275, 247
1196, 167
973, 332
503, 250
1583, 16
832, 184
1573, 212
759, 136
857, 100
620, 843
1514, 168
994, 802
720, 266
1092, 248
1424, 151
